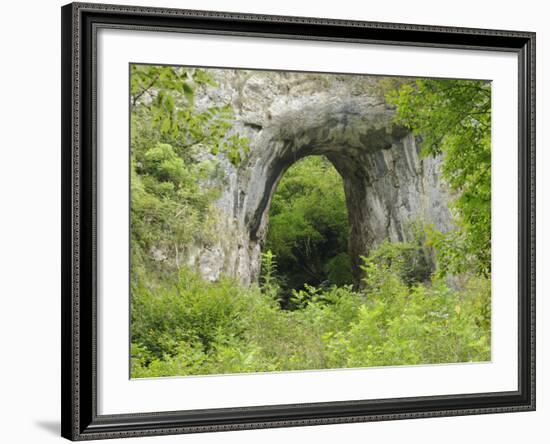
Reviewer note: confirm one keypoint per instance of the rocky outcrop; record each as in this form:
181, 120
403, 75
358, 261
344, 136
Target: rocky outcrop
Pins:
288, 116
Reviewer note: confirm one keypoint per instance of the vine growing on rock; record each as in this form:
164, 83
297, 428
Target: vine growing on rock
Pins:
174, 145
453, 118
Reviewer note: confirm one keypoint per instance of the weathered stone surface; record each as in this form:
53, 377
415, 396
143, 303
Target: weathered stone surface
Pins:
288, 116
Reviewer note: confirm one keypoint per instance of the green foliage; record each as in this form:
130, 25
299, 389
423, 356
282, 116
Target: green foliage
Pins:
269, 281
402, 315
162, 99
453, 117
338, 269
411, 261
308, 226
189, 327
180, 311
170, 196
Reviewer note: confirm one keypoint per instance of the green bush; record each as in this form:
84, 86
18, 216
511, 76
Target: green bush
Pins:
193, 327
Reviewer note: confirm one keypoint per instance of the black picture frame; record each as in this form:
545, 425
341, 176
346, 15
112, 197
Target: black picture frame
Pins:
80, 420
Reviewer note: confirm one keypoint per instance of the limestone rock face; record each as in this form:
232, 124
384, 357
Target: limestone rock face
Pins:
288, 116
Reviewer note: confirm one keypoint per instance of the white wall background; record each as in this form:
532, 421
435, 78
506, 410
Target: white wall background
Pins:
30, 221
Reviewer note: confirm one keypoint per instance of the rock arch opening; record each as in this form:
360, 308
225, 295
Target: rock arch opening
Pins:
307, 236
353, 183
355, 144
387, 185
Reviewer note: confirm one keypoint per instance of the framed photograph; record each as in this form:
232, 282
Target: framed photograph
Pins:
281, 221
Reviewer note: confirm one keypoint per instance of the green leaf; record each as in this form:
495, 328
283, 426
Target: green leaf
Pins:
188, 92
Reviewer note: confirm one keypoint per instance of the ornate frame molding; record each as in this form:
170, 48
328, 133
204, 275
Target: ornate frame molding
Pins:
79, 394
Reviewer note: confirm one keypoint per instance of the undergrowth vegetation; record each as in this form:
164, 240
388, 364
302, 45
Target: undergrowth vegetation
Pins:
191, 327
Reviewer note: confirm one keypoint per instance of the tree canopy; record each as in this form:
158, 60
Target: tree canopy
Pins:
453, 119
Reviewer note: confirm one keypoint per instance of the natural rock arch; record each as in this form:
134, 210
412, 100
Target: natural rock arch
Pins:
288, 116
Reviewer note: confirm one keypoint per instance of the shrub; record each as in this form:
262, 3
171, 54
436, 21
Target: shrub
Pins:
192, 327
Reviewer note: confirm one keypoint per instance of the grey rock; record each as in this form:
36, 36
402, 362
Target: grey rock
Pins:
288, 116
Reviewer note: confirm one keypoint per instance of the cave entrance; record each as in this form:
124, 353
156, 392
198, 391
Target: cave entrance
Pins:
308, 228
341, 178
